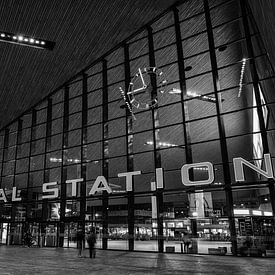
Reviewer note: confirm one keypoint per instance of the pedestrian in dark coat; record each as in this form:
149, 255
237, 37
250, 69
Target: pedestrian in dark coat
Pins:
91, 240
80, 238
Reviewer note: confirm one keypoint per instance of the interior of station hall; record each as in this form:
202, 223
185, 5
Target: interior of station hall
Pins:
193, 85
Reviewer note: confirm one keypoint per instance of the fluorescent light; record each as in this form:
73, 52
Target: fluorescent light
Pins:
257, 212
241, 212
267, 213
26, 40
201, 97
175, 91
163, 144
241, 77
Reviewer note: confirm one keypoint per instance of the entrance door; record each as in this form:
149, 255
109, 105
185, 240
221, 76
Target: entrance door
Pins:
70, 234
50, 235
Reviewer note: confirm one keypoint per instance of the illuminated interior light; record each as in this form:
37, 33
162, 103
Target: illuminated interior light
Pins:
163, 144
241, 212
129, 107
149, 143
268, 213
241, 77
266, 199
26, 41
55, 160
257, 212
194, 214
175, 91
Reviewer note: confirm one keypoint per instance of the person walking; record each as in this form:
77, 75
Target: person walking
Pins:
91, 240
80, 241
187, 242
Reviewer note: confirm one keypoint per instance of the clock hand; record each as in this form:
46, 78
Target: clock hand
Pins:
142, 79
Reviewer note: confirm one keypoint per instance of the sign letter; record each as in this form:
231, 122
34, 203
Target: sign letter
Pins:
100, 184
239, 172
73, 182
3, 195
185, 174
14, 193
129, 179
46, 189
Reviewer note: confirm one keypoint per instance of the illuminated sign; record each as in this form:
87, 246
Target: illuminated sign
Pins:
51, 191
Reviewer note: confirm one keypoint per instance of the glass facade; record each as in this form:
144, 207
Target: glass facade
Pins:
199, 88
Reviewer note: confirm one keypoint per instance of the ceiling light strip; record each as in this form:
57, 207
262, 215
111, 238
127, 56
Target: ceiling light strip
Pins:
26, 40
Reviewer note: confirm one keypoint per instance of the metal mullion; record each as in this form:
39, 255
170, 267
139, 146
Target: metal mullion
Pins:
45, 170
156, 139
223, 144
184, 106
256, 81
33, 133
6, 143
181, 68
129, 152
18, 139
83, 148
64, 156
105, 153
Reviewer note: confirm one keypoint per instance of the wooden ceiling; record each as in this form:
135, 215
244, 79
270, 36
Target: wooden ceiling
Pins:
82, 30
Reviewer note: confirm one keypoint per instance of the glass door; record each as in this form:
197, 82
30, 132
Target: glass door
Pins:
50, 235
70, 234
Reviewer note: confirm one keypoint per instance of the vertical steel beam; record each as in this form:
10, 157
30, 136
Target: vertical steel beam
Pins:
223, 144
65, 143
84, 148
184, 106
156, 138
4, 153
32, 147
17, 150
183, 88
256, 82
105, 154
46, 171
129, 152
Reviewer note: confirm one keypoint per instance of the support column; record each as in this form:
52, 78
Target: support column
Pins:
83, 149
156, 138
129, 152
65, 143
223, 145
105, 154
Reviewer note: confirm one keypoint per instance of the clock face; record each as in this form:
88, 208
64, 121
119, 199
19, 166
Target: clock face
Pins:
141, 93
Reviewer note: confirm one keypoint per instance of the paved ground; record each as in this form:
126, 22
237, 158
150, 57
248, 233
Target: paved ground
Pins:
20, 260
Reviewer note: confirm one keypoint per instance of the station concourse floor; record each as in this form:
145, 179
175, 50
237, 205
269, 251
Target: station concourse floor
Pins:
22, 260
